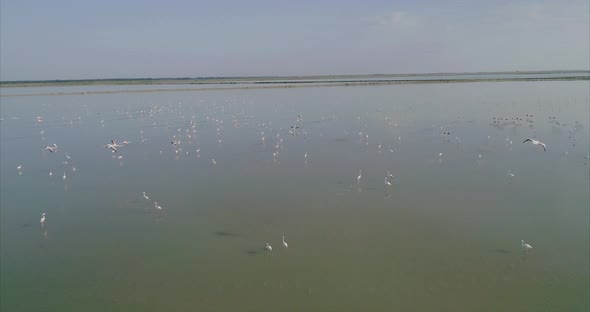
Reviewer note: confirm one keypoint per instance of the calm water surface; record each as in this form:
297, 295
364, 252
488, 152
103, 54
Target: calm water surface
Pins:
445, 236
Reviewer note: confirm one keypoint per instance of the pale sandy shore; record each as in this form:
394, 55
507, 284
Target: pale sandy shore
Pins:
275, 84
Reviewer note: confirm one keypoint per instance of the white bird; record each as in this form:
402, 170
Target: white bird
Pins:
536, 143
284, 242
19, 167
125, 142
358, 179
387, 181
50, 173
112, 146
157, 207
64, 177
268, 247
145, 196
525, 246
42, 220
51, 148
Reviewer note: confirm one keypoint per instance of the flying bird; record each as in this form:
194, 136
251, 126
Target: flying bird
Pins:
536, 143
112, 146
51, 148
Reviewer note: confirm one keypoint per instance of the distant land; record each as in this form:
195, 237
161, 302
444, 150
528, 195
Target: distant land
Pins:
258, 79
264, 82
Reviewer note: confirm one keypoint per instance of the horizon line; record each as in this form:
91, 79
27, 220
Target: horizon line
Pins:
298, 76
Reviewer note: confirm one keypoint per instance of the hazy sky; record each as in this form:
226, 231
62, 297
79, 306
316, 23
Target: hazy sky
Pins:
61, 39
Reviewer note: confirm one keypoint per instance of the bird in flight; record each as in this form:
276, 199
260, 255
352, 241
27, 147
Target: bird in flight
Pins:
112, 146
51, 148
536, 143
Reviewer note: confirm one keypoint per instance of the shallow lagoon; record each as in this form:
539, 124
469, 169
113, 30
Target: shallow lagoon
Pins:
444, 237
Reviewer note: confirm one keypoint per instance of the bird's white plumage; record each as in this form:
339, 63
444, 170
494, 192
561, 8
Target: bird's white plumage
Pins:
536, 143
51, 148
525, 245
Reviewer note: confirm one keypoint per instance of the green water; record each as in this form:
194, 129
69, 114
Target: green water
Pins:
444, 237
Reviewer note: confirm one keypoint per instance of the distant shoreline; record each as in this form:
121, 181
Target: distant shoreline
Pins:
252, 79
279, 82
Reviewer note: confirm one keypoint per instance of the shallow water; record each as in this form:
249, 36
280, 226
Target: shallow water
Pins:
444, 237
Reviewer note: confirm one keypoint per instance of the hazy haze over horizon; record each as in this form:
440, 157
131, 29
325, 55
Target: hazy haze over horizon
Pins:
71, 40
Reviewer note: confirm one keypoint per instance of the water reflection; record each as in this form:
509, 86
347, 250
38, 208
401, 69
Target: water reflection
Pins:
386, 194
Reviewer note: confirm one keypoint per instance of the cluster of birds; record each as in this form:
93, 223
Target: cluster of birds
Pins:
268, 247
187, 135
158, 207
113, 145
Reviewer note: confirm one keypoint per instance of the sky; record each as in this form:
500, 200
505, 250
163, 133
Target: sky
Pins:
59, 39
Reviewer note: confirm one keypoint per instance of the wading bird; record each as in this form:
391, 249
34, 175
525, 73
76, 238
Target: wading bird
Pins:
525, 246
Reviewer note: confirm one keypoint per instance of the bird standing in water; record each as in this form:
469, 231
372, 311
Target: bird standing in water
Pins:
525, 246
42, 220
